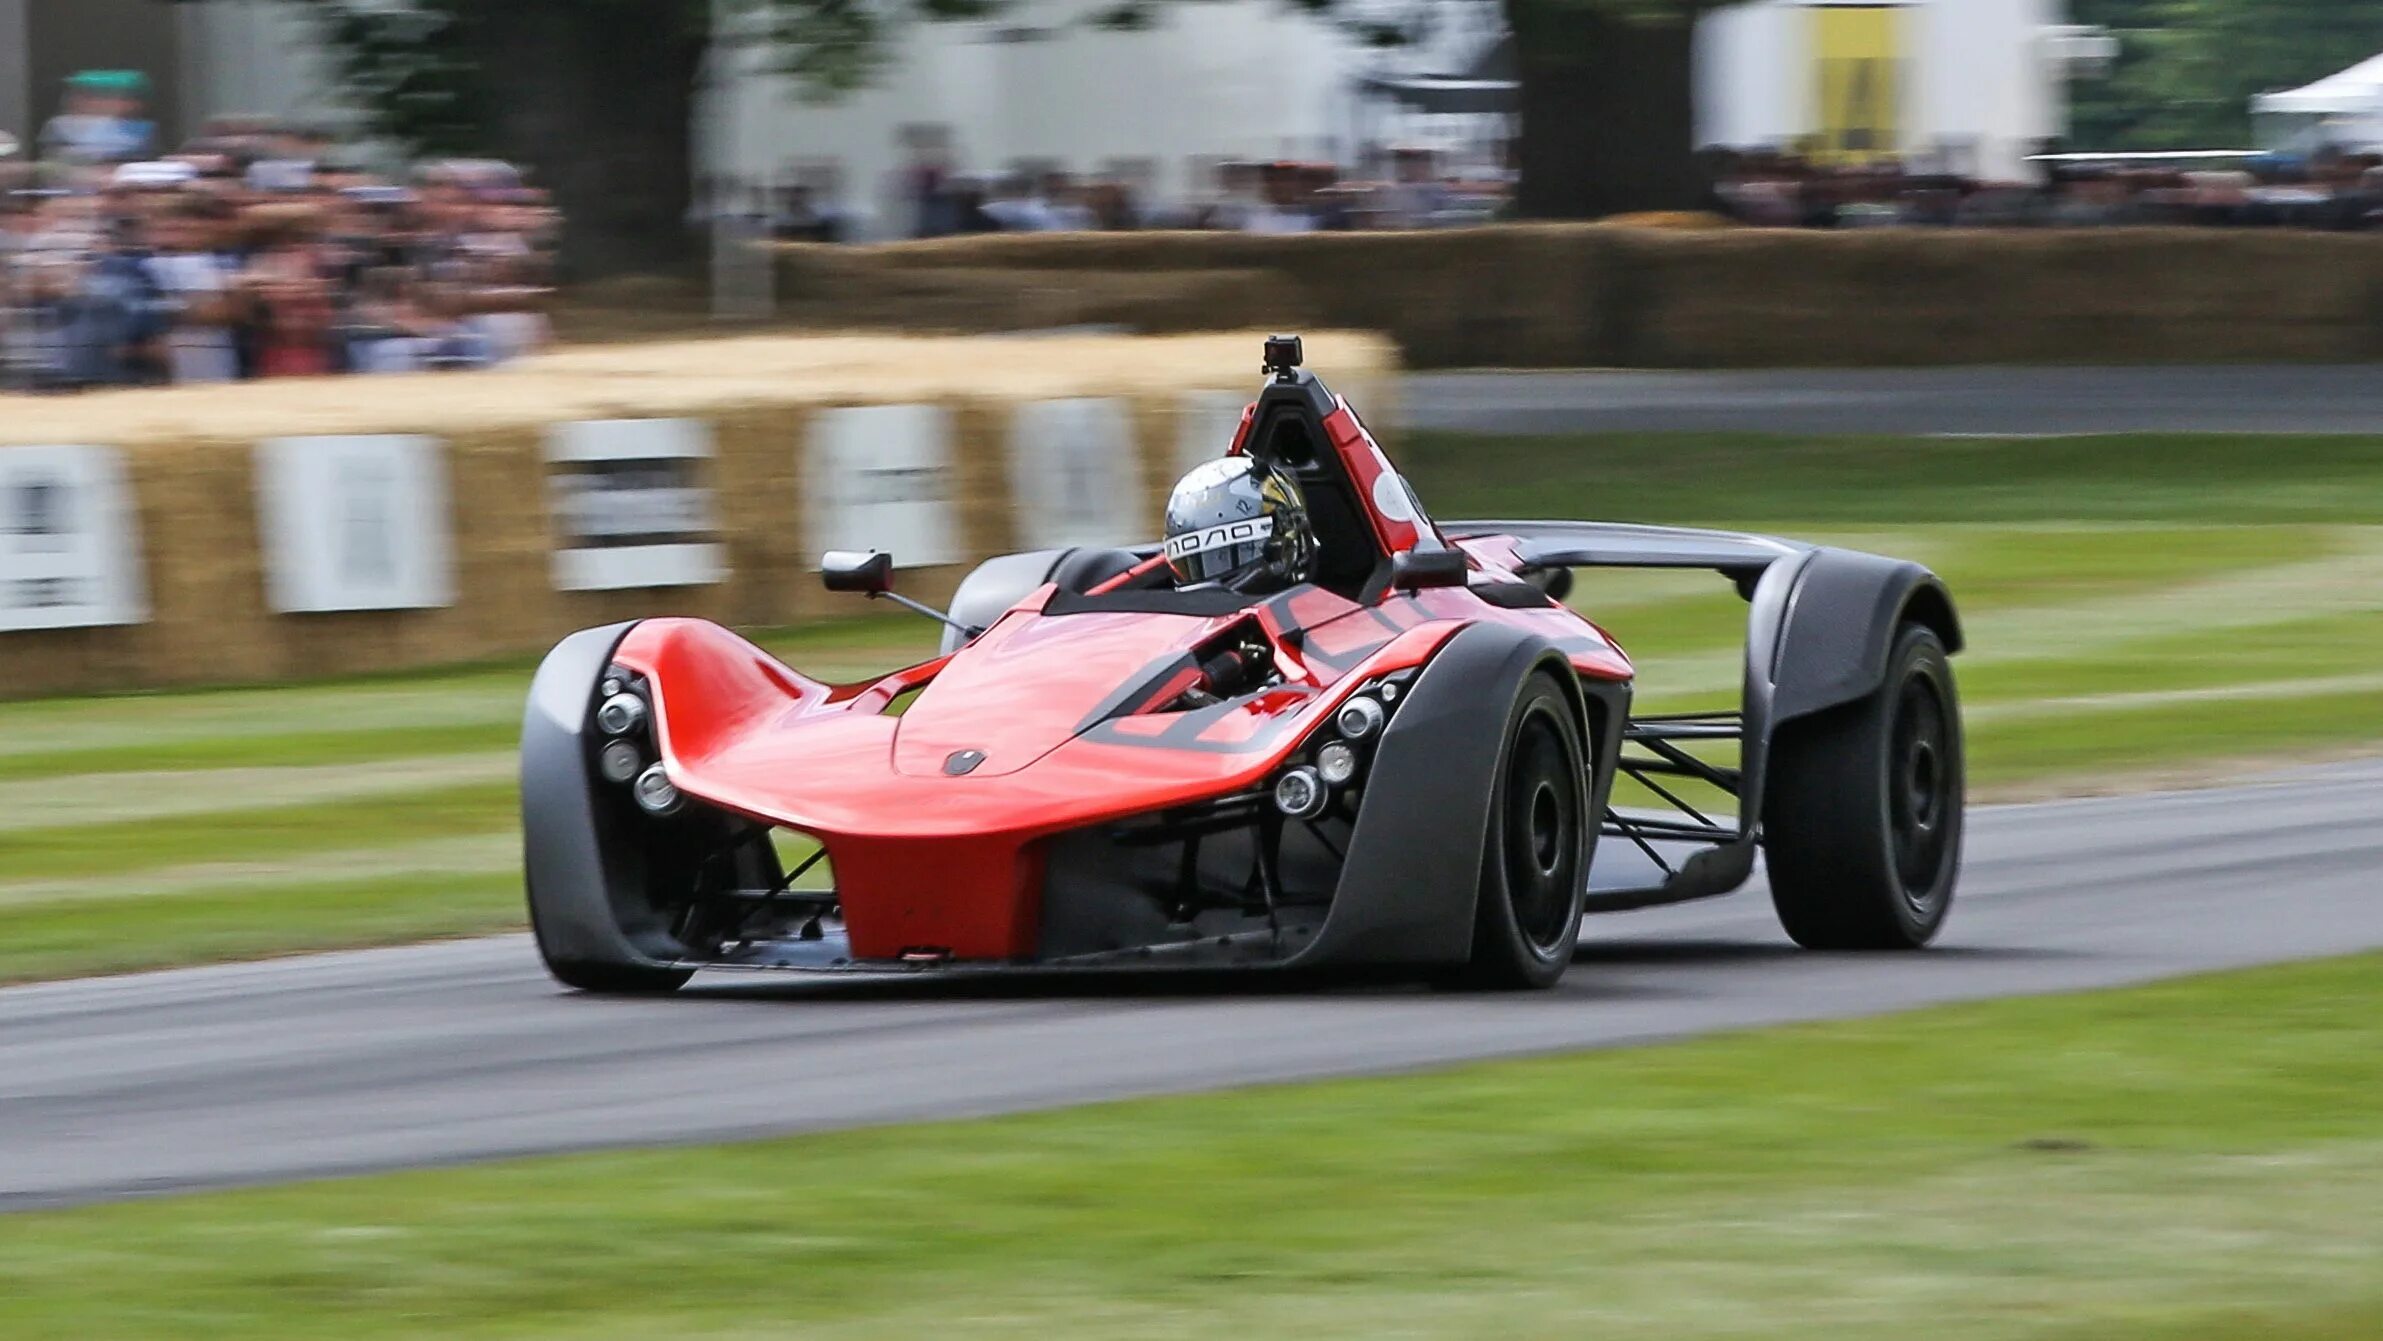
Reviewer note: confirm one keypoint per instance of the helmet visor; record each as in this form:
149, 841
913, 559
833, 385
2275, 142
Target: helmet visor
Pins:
1220, 552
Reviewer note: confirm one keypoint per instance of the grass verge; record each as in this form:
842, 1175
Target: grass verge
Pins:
2195, 1159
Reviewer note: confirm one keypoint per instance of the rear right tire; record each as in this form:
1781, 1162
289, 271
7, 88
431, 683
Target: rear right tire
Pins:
1863, 806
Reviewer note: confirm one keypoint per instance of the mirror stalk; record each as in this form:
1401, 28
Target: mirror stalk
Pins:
925, 609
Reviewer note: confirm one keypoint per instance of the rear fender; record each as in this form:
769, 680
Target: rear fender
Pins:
1819, 634
1837, 628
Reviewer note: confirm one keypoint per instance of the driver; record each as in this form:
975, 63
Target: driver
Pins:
1239, 524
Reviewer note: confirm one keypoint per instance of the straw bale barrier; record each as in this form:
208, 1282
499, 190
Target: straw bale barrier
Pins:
190, 455
1570, 295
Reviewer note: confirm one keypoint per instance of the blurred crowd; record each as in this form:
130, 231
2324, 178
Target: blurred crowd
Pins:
2335, 190
254, 250
1403, 188
1417, 188
1390, 188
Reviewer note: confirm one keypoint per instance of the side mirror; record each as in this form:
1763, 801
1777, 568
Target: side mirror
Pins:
1415, 570
869, 572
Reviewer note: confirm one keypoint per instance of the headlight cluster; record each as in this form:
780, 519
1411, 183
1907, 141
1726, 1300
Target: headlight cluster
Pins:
626, 757
1305, 790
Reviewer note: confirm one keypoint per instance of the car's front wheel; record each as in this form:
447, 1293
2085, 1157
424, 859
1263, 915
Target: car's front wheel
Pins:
618, 979
1863, 809
1534, 865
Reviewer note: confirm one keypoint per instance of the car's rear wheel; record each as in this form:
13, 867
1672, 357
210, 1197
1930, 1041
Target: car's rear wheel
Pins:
1534, 864
1863, 809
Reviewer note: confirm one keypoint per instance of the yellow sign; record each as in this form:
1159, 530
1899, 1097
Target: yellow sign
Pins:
1858, 72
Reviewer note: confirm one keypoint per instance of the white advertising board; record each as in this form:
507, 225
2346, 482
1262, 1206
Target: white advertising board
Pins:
69, 554
355, 523
632, 507
880, 477
1076, 475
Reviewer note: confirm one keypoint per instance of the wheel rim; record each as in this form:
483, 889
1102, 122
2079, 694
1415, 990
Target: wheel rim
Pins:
1921, 788
1541, 829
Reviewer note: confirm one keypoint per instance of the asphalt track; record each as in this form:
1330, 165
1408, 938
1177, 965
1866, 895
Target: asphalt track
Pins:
464, 1051
1985, 401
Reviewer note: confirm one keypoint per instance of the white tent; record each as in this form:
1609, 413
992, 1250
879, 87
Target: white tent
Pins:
2357, 91
2344, 109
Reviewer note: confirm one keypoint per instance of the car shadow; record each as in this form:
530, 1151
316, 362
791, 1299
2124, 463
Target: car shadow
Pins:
1700, 950
1188, 985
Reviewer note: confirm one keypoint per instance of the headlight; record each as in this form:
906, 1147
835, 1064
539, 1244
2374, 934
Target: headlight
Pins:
1300, 793
620, 715
620, 761
1336, 763
1359, 717
656, 794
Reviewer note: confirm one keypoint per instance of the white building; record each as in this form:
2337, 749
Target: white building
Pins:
224, 56
1239, 79
1971, 85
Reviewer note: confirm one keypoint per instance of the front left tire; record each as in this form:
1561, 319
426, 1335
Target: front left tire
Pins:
618, 979
1535, 860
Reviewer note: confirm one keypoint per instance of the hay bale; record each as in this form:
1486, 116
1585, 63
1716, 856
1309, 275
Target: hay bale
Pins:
1760, 298
191, 462
1674, 293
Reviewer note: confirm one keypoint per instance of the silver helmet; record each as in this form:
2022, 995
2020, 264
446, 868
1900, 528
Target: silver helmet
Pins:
1239, 523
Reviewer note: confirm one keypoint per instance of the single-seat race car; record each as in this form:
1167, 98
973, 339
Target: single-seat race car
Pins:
1402, 752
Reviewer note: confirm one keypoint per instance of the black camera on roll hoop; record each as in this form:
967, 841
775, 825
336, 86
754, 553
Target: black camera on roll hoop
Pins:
1283, 353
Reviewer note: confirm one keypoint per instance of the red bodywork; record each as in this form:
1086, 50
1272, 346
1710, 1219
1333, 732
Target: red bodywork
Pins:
1066, 712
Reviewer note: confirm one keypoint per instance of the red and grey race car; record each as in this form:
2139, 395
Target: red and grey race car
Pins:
1407, 757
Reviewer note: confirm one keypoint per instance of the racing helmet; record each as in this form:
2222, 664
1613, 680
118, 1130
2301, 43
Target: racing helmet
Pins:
1239, 523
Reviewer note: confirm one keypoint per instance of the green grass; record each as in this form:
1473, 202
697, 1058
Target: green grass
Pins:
201, 840
1748, 479
70, 937
2139, 607
127, 848
2093, 574
2197, 1159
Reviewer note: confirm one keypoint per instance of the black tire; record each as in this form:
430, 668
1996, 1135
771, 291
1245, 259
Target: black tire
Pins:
1862, 810
619, 979
606, 979
1535, 860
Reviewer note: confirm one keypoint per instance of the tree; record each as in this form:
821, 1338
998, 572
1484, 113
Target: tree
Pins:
2188, 69
1608, 94
1608, 105
599, 97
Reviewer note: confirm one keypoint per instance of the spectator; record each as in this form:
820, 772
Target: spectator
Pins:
290, 297
188, 270
256, 251
104, 120
1288, 205
1775, 189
